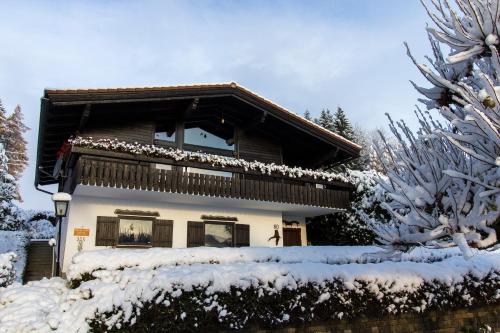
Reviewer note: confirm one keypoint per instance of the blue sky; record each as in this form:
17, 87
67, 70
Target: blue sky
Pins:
300, 54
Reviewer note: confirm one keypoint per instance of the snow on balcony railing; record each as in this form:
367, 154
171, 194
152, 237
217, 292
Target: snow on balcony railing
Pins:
210, 159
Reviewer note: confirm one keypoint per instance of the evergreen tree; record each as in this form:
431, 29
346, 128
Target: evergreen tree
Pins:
342, 125
325, 120
15, 144
10, 218
3, 123
307, 115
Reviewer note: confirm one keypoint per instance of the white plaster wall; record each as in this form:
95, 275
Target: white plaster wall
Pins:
85, 209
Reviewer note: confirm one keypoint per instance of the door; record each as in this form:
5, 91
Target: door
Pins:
291, 237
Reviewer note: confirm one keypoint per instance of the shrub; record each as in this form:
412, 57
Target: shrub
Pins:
7, 271
267, 306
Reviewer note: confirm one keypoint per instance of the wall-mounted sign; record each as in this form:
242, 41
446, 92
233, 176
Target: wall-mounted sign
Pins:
81, 232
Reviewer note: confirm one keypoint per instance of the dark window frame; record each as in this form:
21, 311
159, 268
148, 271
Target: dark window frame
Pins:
220, 223
131, 217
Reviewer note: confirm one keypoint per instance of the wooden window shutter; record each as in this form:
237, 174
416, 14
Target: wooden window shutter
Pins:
162, 233
241, 235
195, 234
106, 231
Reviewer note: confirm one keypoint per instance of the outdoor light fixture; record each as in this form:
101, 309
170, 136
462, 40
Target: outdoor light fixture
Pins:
61, 203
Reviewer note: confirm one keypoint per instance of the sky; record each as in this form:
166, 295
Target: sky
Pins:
300, 54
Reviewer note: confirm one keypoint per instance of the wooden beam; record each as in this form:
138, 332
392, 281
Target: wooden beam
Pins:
191, 108
84, 118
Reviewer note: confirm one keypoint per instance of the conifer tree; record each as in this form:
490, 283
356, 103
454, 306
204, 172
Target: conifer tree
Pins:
342, 125
307, 115
10, 218
3, 123
326, 120
15, 143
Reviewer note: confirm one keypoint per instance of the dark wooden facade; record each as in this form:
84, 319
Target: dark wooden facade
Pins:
251, 127
143, 175
259, 129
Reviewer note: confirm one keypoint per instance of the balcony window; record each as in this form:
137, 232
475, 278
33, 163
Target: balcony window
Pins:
208, 172
219, 234
135, 232
165, 133
199, 137
166, 167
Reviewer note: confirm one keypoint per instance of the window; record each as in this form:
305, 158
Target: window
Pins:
219, 234
166, 167
199, 137
135, 231
208, 172
165, 133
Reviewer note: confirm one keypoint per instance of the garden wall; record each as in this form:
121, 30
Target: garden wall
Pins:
469, 320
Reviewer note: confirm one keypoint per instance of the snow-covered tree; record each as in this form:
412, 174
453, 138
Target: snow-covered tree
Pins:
342, 125
445, 180
351, 227
3, 122
325, 120
15, 143
9, 214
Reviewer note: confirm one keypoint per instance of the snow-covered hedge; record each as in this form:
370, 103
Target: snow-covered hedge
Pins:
211, 159
17, 242
85, 263
7, 271
39, 224
207, 297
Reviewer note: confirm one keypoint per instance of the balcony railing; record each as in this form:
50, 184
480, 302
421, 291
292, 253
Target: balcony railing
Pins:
144, 176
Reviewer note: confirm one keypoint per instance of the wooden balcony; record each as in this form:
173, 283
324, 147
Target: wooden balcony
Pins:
98, 171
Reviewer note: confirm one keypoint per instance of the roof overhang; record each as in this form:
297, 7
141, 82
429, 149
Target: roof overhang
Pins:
54, 129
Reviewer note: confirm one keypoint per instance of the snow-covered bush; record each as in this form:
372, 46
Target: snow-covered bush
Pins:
7, 270
10, 218
210, 297
84, 264
39, 224
351, 227
17, 242
445, 180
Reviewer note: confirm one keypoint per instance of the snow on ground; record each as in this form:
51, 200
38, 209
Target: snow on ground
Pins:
112, 259
15, 241
48, 306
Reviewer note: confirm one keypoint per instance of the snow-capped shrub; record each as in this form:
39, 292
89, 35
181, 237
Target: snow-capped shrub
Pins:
16, 242
84, 264
201, 298
210, 297
39, 224
445, 176
351, 227
7, 270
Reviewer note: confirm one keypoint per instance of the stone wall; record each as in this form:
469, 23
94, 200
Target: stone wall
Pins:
463, 320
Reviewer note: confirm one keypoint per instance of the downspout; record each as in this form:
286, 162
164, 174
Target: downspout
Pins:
42, 190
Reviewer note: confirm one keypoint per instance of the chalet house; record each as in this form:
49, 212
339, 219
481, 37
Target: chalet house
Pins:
183, 166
